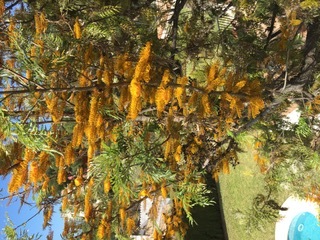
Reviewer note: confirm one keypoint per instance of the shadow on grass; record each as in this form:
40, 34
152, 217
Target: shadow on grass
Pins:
210, 224
239, 189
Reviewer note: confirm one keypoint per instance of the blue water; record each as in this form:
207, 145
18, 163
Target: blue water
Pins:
304, 226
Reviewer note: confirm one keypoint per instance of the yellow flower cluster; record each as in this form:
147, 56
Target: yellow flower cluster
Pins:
69, 156
77, 29
20, 171
180, 92
55, 105
2, 7
107, 184
41, 23
215, 77
18, 177
34, 172
163, 93
87, 202
101, 232
62, 177
135, 87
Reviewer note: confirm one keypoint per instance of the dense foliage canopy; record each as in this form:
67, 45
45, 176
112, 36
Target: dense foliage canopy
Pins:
106, 103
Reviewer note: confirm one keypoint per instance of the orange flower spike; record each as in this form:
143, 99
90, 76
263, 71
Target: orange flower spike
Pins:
164, 192
130, 225
122, 214
77, 29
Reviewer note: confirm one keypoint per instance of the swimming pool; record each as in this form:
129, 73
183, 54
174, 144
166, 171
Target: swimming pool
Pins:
304, 226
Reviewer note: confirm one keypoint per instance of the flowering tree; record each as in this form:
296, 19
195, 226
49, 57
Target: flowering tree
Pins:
99, 111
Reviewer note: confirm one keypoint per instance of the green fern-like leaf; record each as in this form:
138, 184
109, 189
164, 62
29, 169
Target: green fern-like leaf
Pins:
96, 30
303, 128
107, 12
53, 41
103, 23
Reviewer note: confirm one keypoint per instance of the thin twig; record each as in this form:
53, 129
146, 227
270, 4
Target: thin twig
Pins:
3, 99
22, 78
10, 7
175, 24
12, 195
270, 34
29, 219
102, 86
286, 71
29, 112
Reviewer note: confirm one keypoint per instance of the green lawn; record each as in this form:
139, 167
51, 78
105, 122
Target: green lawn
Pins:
238, 189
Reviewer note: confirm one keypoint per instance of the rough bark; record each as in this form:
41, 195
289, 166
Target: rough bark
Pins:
310, 63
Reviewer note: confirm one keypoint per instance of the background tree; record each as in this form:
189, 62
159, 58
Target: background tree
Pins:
99, 113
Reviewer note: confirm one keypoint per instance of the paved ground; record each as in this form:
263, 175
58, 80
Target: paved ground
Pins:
295, 206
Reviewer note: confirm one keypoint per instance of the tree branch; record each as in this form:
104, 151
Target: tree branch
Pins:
103, 86
10, 7
175, 23
271, 34
12, 195
29, 219
311, 54
26, 81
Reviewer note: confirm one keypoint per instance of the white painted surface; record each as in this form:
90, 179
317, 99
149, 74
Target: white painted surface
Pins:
140, 237
293, 117
147, 226
295, 206
145, 206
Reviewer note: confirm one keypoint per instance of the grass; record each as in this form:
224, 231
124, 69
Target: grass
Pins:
238, 190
